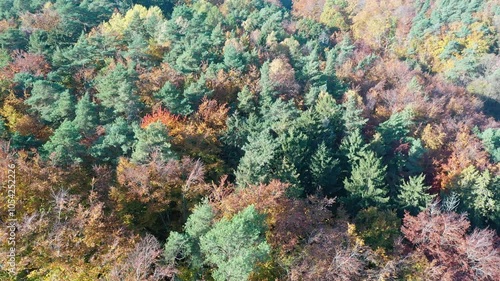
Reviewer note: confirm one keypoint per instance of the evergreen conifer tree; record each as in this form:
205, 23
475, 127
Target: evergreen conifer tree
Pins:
366, 184
86, 119
64, 146
413, 194
235, 246
152, 139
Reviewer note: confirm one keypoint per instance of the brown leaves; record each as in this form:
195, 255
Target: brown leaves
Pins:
47, 19
143, 263
289, 220
454, 254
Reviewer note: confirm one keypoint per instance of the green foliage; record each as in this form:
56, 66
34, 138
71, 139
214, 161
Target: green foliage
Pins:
3, 128
13, 39
4, 57
491, 142
118, 140
86, 116
195, 92
325, 169
378, 228
64, 146
246, 100
335, 15
479, 194
366, 184
186, 246
413, 194
51, 101
151, 140
352, 113
234, 58
172, 98
117, 93
235, 246
255, 165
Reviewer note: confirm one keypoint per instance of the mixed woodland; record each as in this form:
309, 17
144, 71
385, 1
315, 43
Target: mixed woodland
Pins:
251, 139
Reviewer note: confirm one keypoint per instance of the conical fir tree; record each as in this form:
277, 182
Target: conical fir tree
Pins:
366, 185
413, 194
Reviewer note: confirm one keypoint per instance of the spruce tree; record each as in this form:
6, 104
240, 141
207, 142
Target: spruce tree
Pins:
325, 169
352, 117
413, 194
256, 165
366, 184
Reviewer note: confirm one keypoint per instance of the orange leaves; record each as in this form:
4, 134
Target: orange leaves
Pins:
163, 116
466, 150
198, 135
267, 199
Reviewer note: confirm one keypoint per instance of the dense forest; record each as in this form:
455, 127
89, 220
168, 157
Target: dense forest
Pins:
250, 140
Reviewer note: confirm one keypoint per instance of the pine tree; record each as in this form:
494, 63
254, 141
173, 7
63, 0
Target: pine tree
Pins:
195, 92
3, 128
352, 146
394, 130
217, 37
311, 72
186, 246
491, 142
172, 98
246, 100
267, 87
51, 101
479, 195
413, 194
233, 58
352, 113
117, 93
86, 119
287, 173
117, 141
235, 246
64, 146
152, 139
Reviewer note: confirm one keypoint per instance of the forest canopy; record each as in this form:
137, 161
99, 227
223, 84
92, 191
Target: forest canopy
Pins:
250, 140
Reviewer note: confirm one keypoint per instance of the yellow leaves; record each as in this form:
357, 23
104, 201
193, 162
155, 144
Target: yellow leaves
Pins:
433, 137
440, 51
375, 22
351, 230
119, 23
11, 111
